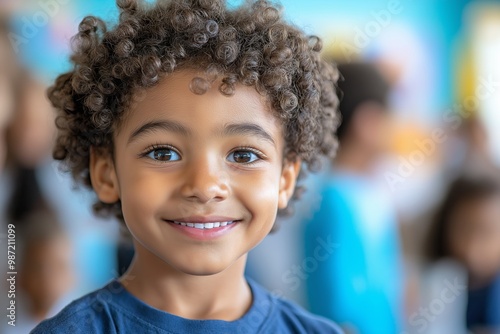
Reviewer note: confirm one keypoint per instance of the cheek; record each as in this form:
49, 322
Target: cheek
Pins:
259, 193
142, 193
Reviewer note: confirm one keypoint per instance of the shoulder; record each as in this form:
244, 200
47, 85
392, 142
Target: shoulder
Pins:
287, 317
90, 314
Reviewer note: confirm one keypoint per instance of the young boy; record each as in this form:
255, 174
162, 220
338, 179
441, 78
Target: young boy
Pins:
190, 121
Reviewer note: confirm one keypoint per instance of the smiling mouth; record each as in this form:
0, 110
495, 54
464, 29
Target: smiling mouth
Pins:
204, 226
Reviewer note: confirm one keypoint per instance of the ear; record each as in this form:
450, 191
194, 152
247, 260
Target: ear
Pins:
103, 177
288, 180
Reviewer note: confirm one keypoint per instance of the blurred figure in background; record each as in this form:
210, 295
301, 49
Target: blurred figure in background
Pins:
29, 178
467, 230
363, 270
45, 276
32, 180
29, 137
29, 142
44, 258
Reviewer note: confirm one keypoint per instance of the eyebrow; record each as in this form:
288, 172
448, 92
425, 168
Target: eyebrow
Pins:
247, 129
231, 129
165, 125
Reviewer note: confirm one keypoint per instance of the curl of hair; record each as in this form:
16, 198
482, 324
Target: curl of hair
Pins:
250, 45
199, 86
227, 52
212, 28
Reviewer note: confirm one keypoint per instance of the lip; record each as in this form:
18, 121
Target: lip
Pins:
203, 234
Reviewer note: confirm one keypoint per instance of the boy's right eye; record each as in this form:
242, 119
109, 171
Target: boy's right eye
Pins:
163, 154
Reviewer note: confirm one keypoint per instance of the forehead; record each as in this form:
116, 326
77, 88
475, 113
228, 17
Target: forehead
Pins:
173, 97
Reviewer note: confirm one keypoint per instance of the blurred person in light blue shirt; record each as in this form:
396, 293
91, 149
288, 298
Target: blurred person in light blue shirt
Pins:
358, 283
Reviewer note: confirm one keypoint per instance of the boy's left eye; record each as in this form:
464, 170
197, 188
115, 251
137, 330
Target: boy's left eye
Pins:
243, 157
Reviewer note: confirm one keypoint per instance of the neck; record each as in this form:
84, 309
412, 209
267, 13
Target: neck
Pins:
355, 158
222, 296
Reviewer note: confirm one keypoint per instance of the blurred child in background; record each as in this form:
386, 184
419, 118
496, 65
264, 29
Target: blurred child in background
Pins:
31, 180
467, 229
363, 271
28, 142
44, 252
45, 271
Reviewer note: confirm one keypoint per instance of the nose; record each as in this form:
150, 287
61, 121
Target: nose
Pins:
205, 181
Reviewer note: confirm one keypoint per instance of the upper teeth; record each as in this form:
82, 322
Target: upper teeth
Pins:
204, 225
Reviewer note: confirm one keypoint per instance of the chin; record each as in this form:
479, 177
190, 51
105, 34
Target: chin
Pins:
204, 266
205, 270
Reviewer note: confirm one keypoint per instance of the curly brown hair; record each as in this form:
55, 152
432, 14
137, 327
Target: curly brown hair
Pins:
250, 45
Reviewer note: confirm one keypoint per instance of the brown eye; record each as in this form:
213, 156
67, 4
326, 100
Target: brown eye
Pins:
163, 154
243, 157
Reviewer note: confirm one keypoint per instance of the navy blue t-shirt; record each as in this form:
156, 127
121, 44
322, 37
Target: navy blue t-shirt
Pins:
483, 306
113, 309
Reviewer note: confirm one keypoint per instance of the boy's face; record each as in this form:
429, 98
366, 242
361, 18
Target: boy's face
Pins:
208, 160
